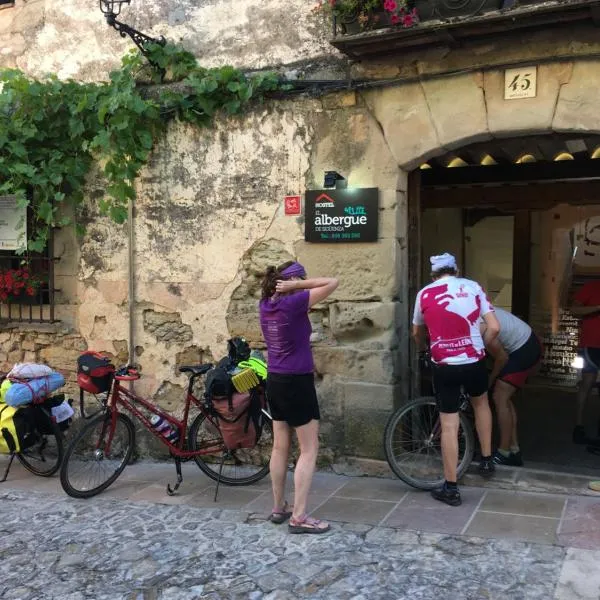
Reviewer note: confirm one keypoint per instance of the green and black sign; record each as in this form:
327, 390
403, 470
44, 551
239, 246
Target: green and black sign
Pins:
348, 215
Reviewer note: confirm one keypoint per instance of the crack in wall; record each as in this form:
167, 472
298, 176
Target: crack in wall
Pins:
558, 93
373, 116
431, 119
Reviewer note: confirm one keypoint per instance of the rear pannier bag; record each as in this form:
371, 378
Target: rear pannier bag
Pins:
44, 414
240, 418
94, 372
17, 432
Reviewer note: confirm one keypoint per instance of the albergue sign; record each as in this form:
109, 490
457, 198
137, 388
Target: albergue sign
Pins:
347, 215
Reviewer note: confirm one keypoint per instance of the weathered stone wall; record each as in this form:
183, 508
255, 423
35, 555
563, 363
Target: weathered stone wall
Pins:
72, 39
209, 214
56, 345
209, 220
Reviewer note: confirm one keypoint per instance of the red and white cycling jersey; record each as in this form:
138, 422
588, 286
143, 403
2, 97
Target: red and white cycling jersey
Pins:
451, 308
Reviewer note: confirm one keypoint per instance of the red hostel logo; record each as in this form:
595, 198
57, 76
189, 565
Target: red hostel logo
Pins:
324, 201
292, 205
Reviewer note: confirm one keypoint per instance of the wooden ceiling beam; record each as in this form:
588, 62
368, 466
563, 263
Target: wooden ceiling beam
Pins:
538, 196
502, 174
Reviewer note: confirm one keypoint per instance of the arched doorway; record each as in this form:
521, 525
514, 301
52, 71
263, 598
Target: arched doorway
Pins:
521, 216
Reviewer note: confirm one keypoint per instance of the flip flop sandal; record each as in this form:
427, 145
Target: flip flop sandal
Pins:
281, 516
307, 525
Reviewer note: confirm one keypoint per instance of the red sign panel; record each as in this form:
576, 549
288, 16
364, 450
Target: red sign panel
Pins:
293, 205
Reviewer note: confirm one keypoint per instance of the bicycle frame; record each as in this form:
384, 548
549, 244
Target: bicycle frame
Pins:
128, 399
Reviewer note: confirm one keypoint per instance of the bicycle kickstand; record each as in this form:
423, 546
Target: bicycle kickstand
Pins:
219, 478
172, 491
12, 457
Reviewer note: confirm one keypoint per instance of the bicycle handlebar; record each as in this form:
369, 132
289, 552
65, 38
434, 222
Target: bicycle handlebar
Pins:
127, 373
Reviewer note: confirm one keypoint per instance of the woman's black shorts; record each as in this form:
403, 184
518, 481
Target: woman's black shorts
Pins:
293, 398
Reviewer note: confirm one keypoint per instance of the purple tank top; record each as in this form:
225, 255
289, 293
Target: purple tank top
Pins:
286, 329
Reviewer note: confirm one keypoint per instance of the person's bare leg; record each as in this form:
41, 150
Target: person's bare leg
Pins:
483, 422
308, 440
282, 438
583, 393
505, 413
449, 441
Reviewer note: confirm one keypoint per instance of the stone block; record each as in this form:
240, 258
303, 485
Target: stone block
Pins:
405, 118
343, 100
359, 395
457, 123
577, 107
351, 142
365, 271
376, 366
517, 117
242, 319
360, 321
363, 432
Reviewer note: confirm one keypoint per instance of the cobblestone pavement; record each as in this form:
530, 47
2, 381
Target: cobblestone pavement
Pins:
144, 548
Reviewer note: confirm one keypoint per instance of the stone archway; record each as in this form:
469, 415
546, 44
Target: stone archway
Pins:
425, 119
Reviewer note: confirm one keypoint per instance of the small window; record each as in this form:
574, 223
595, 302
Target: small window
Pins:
26, 280
6, 4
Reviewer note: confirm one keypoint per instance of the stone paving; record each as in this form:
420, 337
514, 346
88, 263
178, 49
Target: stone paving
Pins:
134, 542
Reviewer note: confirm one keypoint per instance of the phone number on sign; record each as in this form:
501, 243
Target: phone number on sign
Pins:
340, 236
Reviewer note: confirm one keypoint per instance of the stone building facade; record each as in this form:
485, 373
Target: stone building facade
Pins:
209, 211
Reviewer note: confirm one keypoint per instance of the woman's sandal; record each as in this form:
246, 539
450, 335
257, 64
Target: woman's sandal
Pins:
307, 524
281, 516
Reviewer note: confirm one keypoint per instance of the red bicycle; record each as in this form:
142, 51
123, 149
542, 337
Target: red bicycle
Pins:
98, 454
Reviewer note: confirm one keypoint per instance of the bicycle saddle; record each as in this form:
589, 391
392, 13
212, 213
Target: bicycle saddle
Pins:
196, 370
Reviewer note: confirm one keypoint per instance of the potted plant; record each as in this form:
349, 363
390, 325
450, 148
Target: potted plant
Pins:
353, 16
19, 285
401, 12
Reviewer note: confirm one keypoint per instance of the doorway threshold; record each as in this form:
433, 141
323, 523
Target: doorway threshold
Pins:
536, 478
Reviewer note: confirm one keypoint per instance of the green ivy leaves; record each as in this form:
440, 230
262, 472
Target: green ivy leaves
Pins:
51, 131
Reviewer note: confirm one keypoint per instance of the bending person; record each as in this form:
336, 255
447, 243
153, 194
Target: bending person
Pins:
451, 308
516, 352
287, 296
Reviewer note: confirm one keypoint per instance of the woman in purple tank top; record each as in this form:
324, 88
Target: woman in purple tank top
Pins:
287, 296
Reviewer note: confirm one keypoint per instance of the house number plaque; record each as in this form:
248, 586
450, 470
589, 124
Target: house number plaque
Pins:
520, 83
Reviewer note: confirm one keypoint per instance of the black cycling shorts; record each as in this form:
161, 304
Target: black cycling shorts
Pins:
449, 379
293, 398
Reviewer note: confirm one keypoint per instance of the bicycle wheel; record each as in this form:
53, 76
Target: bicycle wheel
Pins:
240, 467
45, 456
412, 444
88, 467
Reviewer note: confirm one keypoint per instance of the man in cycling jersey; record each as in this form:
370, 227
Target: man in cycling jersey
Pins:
450, 309
516, 352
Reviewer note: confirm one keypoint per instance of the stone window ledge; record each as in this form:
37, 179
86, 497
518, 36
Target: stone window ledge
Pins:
35, 327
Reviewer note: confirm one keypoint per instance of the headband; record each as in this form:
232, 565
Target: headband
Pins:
294, 270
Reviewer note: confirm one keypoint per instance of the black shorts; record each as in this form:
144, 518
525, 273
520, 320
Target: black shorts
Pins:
449, 379
521, 362
293, 398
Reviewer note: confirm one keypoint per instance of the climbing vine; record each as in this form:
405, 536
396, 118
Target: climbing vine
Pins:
52, 131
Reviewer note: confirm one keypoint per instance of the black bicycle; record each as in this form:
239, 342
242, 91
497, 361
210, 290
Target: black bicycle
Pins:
412, 440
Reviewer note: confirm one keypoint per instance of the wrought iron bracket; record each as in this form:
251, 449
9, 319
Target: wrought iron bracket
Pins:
141, 40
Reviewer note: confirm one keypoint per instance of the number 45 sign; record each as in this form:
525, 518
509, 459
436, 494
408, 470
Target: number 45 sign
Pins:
520, 83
